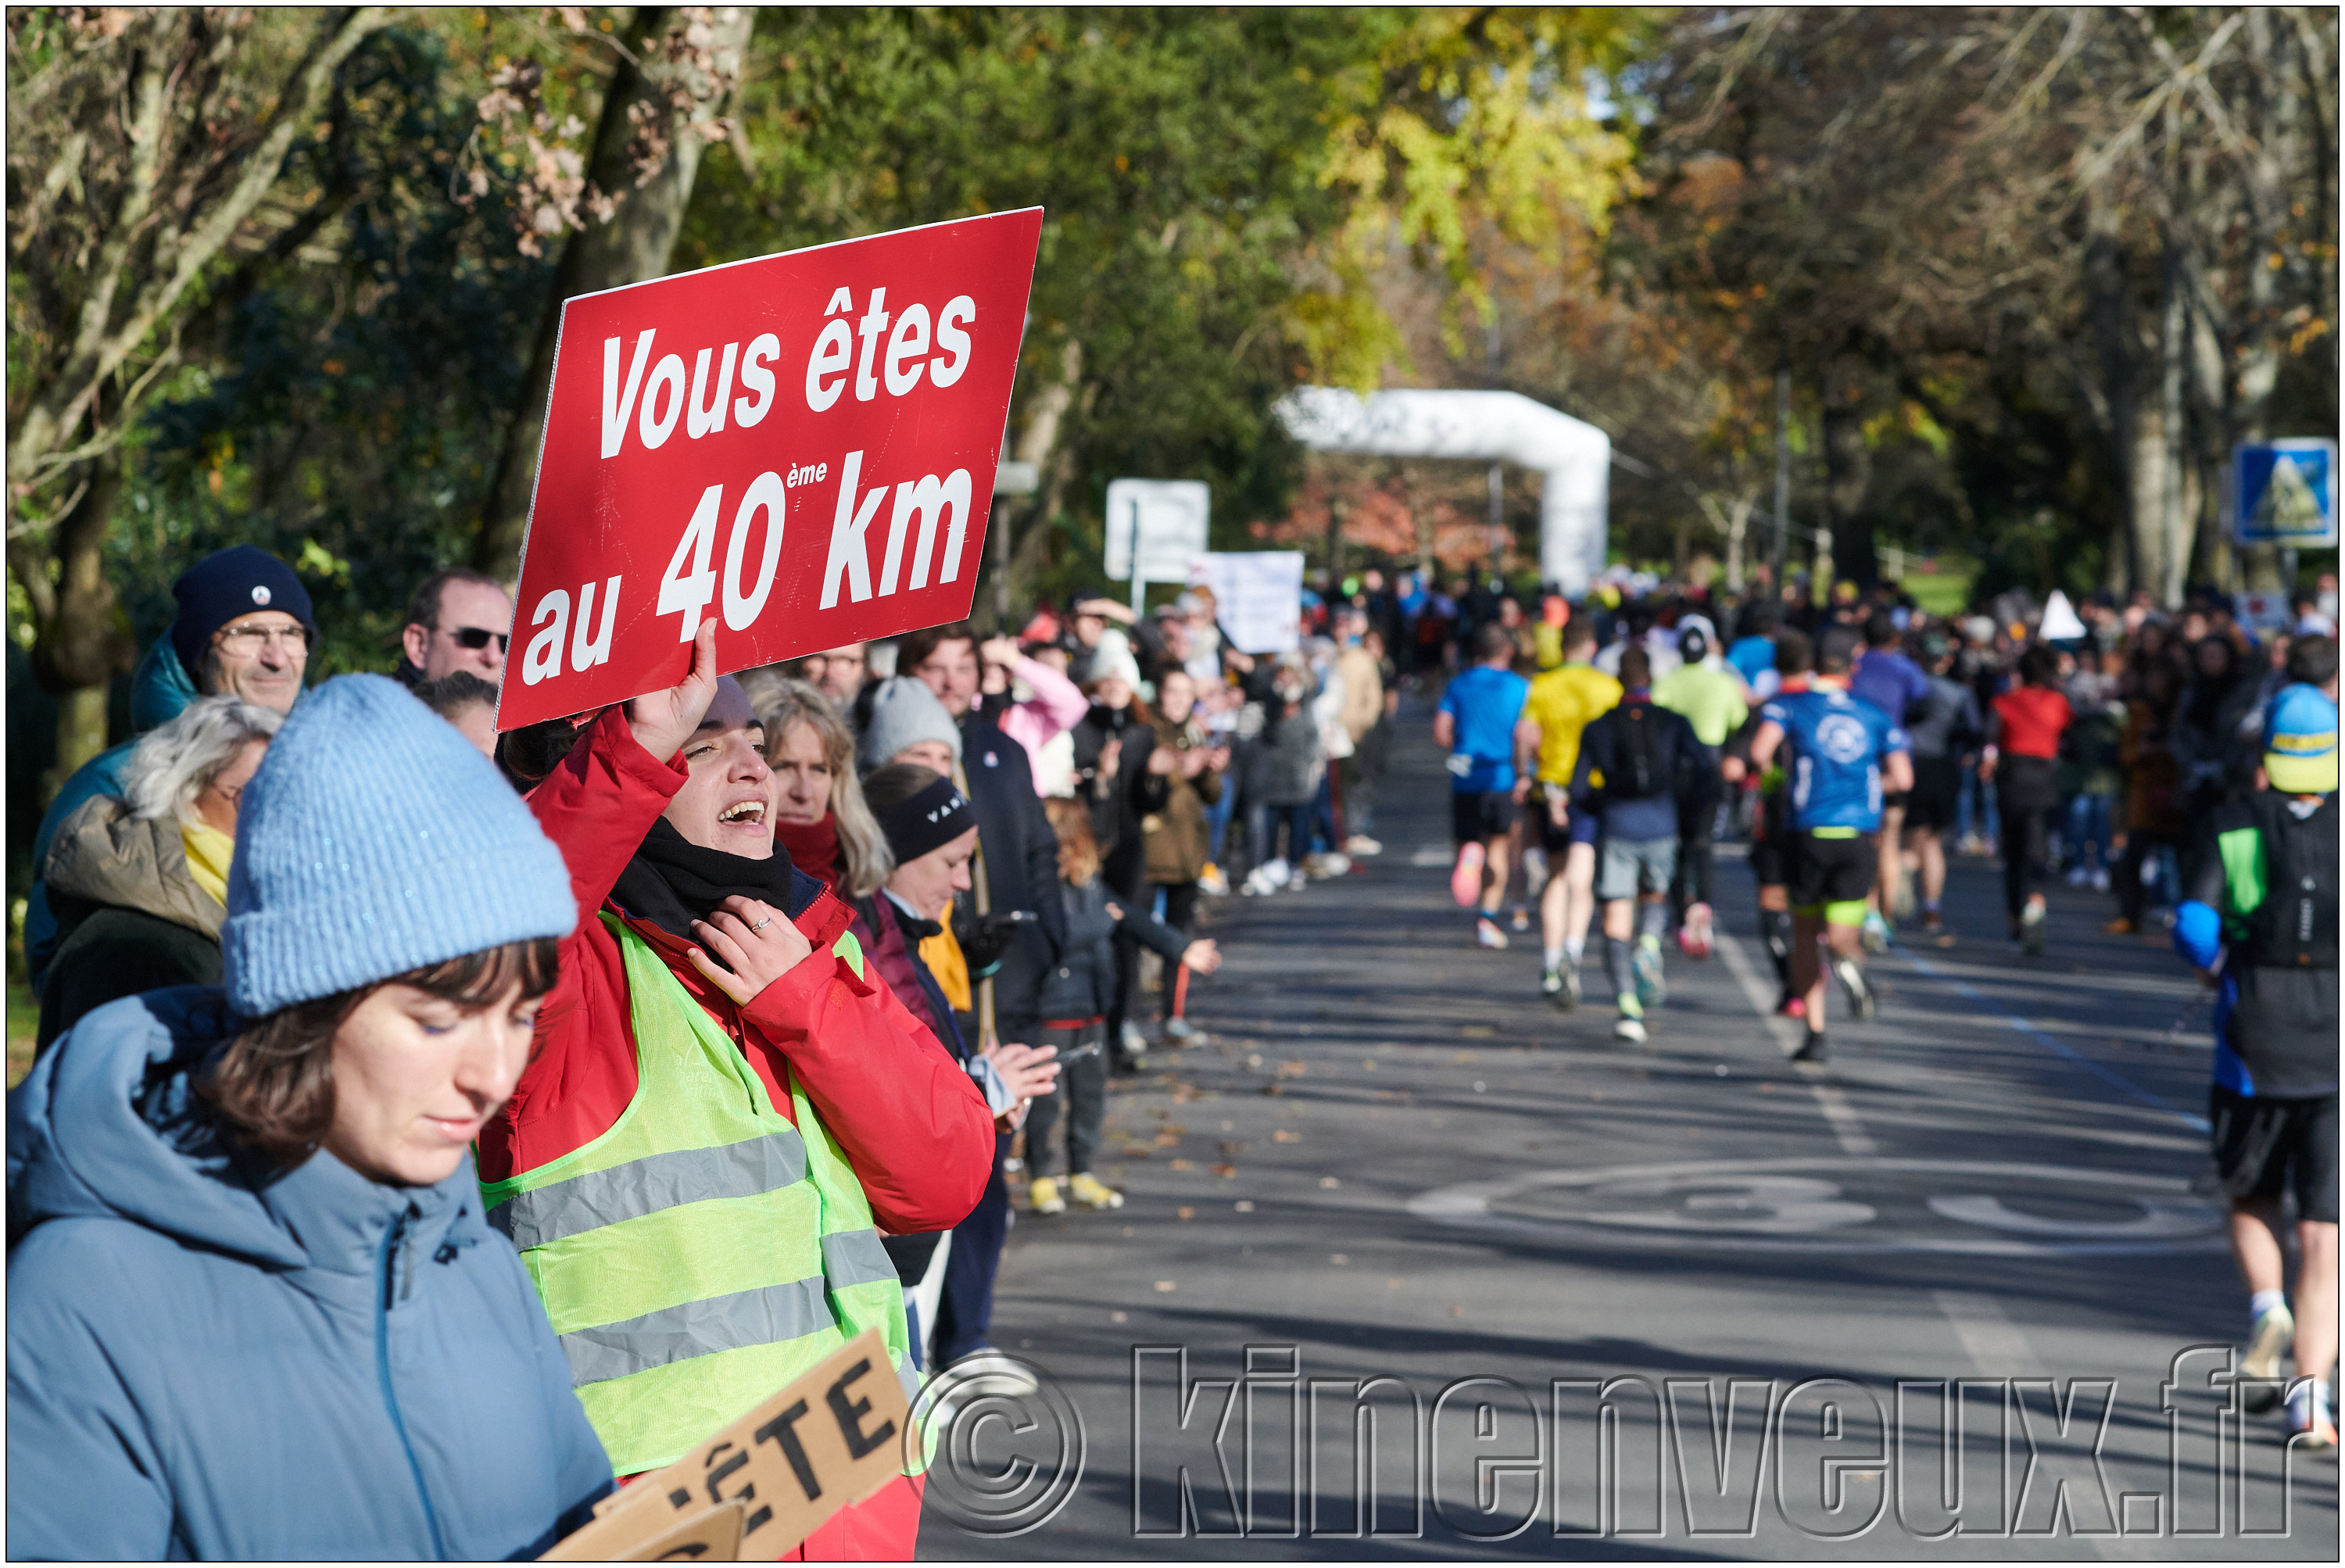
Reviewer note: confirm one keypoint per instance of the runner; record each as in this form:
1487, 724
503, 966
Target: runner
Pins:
2260, 924
1895, 685
1638, 767
1711, 695
1476, 725
1942, 729
1771, 836
2027, 722
1844, 756
1561, 704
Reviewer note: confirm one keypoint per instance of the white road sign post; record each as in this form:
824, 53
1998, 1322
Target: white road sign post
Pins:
1155, 526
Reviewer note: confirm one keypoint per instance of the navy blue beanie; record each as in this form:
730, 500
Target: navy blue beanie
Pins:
225, 584
374, 841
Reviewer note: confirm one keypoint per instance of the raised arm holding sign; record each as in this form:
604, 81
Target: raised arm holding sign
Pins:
802, 447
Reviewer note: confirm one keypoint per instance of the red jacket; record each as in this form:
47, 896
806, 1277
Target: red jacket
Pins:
909, 1118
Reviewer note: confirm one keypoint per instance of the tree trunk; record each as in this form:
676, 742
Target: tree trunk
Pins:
1848, 473
84, 641
634, 246
2146, 499
2178, 527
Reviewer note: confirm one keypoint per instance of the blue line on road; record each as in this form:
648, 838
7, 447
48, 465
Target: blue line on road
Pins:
2106, 1075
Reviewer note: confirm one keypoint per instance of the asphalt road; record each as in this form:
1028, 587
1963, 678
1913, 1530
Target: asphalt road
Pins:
1428, 1267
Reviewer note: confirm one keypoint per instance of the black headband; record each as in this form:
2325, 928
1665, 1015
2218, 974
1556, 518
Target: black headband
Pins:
928, 820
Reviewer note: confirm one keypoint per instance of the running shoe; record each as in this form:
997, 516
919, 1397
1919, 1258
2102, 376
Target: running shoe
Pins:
1093, 1193
1569, 998
2078, 875
1181, 1032
2308, 1413
1360, 845
1851, 976
1695, 937
2100, 879
1812, 1049
1876, 932
1212, 883
2268, 1341
1653, 990
1486, 932
1466, 878
1521, 918
1792, 1007
1043, 1197
1135, 1043
1551, 986
1629, 1029
2031, 929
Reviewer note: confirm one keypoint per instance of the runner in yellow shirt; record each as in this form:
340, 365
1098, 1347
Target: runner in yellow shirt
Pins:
1561, 703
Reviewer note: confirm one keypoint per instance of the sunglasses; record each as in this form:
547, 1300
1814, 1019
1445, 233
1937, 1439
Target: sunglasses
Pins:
477, 637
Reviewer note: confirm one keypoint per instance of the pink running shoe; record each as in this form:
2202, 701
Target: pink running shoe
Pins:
1694, 936
1466, 881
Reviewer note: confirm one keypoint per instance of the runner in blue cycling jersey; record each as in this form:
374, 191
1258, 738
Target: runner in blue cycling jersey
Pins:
1842, 757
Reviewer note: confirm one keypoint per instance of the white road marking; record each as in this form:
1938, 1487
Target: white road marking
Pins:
1989, 1337
1842, 1116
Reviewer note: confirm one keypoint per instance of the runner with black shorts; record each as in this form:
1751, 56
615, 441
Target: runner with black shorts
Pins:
2260, 924
1842, 757
1562, 704
1476, 725
1770, 831
1943, 728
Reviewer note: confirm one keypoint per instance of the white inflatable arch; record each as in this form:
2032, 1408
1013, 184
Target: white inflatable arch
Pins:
1573, 458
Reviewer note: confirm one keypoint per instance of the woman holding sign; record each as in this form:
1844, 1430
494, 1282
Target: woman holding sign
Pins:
254, 1311
727, 1109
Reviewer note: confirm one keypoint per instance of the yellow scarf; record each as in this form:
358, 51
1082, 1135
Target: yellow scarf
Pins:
209, 853
942, 954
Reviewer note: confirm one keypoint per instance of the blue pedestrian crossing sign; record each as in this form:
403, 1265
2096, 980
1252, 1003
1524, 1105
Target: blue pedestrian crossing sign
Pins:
2286, 494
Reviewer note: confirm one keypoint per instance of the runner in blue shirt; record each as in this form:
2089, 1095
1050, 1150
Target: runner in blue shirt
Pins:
1842, 757
1476, 725
1895, 685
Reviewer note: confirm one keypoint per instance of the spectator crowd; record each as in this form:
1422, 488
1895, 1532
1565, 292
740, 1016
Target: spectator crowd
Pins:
734, 1008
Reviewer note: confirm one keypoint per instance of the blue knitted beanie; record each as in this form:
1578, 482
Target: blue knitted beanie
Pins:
375, 840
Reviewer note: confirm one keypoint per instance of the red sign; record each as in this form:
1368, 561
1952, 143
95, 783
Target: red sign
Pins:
801, 448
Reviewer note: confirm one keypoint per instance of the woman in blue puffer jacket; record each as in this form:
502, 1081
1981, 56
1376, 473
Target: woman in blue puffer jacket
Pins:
253, 1310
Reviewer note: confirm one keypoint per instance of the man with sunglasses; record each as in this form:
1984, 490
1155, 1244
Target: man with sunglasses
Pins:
459, 619
244, 629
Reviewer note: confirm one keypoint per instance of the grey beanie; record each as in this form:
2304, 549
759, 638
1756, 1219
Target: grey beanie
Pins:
904, 712
374, 841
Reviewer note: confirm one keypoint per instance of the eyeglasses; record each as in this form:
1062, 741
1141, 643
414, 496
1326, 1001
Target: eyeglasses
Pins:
248, 641
477, 639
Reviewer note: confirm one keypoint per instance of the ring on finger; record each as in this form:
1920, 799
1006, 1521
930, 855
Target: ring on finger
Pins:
763, 924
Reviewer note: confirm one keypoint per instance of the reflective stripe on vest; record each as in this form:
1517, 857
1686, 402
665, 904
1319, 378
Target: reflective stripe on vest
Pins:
704, 1249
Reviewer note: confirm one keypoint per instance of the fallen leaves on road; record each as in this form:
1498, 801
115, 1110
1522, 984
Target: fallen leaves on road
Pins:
1183, 1164
1244, 1205
1283, 1137
1292, 1069
1232, 1146
1168, 1139
1226, 1171
1329, 1181
1169, 1286
1337, 1258
1185, 1214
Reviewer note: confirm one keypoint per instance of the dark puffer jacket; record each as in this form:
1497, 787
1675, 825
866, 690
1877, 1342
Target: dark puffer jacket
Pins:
129, 913
1081, 985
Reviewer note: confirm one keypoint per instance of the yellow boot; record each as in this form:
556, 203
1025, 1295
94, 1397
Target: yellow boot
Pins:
1042, 1197
1093, 1193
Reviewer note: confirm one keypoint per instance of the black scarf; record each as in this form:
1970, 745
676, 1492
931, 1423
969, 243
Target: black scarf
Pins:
673, 881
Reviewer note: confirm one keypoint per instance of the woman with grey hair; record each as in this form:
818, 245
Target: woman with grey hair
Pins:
139, 884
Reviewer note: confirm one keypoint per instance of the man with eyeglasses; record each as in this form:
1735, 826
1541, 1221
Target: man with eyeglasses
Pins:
245, 628
839, 673
459, 619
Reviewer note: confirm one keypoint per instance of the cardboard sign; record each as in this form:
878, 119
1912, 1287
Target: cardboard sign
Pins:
833, 1436
802, 447
1258, 596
